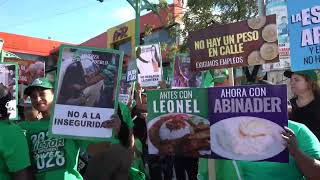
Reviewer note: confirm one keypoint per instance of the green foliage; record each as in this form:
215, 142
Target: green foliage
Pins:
163, 46
205, 13
169, 50
163, 4
148, 28
201, 14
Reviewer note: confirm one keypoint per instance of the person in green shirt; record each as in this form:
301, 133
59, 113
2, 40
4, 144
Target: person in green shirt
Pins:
120, 154
52, 158
114, 162
137, 167
304, 150
14, 153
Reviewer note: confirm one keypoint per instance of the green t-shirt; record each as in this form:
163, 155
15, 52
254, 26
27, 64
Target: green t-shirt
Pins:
203, 173
225, 170
207, 79
136, 174
14, 152
52, 158
126, 115
137, 171
137, 160
307, 142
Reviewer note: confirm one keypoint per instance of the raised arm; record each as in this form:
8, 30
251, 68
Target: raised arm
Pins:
310, 167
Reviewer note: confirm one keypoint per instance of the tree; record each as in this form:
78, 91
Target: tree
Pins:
205, 13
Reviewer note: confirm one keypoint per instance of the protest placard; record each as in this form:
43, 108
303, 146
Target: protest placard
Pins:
247, 121
126, 89
279, 7
243, 43
85, 97
239, 123
8, 91
177, 122
304, 30
183, 76
29, 70
132, 71
149, 62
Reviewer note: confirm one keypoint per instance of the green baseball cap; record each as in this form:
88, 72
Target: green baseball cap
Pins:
39, 82
312, 75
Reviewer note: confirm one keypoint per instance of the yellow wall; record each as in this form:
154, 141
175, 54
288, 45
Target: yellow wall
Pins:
122, 32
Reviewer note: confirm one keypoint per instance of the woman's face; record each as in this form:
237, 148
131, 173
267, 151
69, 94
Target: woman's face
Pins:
42, 99
298, 84
153, 50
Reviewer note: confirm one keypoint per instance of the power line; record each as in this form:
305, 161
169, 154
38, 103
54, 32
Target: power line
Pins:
49, 17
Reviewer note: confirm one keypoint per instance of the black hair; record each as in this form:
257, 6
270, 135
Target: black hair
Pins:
73, 50
74, 74
156, 55
124, 133
138, 51
140, 129
4, 115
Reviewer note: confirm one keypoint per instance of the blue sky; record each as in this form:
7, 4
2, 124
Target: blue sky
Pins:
73, 21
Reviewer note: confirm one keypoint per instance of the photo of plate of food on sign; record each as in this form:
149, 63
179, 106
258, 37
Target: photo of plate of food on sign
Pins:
175, 133
246, 138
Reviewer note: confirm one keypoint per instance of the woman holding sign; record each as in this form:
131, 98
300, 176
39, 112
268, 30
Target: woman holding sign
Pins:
306, 101
303, 163
119, 154
53, 158
304, 158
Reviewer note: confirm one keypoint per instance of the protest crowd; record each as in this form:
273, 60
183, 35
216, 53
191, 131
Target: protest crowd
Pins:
101, 120
126, 156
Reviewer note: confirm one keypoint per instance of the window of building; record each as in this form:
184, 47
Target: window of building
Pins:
161, 35
124, 46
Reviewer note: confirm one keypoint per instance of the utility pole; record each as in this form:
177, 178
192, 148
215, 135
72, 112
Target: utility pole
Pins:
261, 8
138, 6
